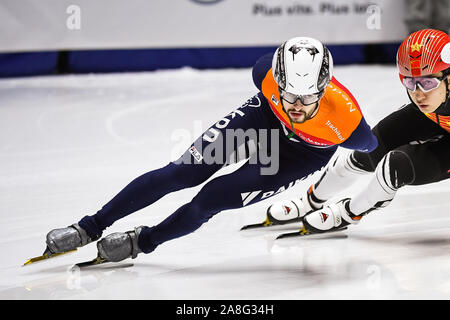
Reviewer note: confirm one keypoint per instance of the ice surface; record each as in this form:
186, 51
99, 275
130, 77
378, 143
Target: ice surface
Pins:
70, 143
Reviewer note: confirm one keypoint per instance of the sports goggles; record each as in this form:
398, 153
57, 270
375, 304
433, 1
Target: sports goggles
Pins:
426, 84
305, 99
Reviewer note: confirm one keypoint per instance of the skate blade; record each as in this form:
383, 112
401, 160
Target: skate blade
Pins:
98, 260
269, 223
255, 226
46, 256
305, 232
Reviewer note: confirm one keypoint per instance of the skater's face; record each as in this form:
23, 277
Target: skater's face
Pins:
431, 100
298, 112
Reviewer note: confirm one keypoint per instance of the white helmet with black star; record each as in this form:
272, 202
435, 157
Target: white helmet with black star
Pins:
302, 66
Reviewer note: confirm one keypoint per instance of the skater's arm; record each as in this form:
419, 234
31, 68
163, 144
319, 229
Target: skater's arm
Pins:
351, 115
362, 138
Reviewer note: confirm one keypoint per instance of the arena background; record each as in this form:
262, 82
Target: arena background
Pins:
66, 36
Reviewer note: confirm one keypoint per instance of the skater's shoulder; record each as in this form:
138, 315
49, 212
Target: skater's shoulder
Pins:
260, 69
341, 101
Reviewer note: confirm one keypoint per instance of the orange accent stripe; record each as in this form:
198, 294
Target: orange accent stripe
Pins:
341, 86
443, 120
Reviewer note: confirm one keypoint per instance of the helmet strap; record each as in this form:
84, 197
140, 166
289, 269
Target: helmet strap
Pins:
290, 135
446, 73
446, 87
447, 92
313, 114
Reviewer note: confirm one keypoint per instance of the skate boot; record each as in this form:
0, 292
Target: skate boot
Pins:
67, 239
119, 246
293, 210
289, 211
62, 241
331, 218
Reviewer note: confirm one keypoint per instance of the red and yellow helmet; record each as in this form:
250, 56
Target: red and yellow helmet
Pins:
423, 53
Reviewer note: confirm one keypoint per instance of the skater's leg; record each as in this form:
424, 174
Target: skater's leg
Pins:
417, 164
347, 168
140, 193
145, 190
229, 192
208, 154
408, 165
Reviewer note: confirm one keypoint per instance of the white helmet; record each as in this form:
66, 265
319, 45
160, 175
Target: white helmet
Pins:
302, 66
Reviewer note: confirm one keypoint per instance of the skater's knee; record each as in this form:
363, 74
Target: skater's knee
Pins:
363, 161
204, 206
198, 213
397, 169
209, 201
347, 164
368, 161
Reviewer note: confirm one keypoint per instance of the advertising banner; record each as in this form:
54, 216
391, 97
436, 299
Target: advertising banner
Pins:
37, 25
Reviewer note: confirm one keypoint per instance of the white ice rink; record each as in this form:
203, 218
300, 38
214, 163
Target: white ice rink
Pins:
68, 144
